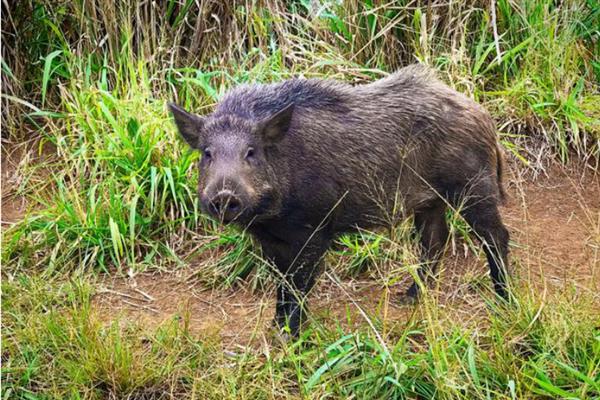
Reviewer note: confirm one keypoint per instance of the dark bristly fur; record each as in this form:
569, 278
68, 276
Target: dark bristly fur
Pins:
300, 162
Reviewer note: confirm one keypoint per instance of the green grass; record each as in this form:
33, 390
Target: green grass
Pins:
112, 190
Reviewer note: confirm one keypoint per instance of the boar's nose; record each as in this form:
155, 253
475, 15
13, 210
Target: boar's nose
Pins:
225, 205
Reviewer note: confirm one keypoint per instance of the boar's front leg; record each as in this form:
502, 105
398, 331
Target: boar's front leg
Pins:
298, 264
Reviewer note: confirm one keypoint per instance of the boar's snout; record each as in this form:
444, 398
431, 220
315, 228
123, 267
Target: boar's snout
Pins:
225, 205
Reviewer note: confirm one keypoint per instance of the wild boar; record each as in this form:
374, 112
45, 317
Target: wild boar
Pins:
300, 162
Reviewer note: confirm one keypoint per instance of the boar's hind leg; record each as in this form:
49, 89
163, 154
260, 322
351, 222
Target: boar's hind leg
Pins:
430, 224
484, 218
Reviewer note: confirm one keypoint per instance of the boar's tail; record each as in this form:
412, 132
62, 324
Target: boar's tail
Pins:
500, 167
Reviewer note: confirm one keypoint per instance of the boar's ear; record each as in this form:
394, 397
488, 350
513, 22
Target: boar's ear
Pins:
190, 126
275, 127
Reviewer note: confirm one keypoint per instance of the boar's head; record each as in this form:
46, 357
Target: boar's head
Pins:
237, 181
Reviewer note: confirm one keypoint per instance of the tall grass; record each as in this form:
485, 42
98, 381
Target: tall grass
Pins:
543, 59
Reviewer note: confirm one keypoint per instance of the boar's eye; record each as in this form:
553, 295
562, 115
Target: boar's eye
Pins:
249, 153
207, 155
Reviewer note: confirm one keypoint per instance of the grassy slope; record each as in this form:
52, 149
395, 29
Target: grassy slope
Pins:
116, 192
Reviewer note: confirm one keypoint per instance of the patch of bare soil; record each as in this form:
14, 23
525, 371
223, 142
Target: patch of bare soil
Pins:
15, 158
12, 208
555, 234
156, 299
555, 226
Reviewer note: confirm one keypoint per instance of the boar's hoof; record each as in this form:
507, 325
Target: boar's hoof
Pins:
283, 338
408, 299
281, 333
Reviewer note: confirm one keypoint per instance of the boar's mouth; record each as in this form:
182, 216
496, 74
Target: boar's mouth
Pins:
262, 209
226, 220
244, 217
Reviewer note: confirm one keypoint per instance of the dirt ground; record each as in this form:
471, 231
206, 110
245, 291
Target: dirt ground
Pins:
12, 207
554, 222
